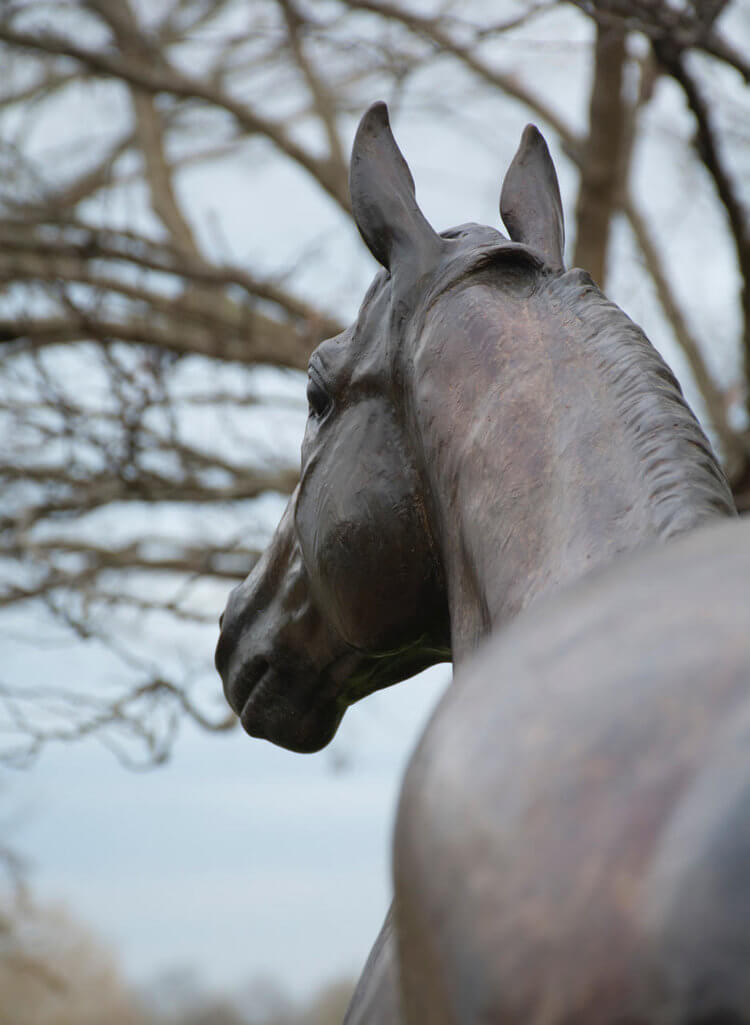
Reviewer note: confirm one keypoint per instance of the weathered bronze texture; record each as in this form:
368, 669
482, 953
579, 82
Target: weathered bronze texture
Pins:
573, 837
490, 431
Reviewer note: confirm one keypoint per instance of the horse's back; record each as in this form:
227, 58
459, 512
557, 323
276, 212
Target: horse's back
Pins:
573, 838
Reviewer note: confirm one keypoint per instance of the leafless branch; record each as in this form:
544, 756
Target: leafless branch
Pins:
713, 160
431, 28
164, 78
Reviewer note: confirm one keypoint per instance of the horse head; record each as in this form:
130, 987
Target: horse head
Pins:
350, 595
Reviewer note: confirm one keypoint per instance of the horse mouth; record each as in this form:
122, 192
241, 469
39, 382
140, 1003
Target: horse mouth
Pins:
240, 689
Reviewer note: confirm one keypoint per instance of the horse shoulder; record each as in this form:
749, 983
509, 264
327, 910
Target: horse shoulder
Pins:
573, 836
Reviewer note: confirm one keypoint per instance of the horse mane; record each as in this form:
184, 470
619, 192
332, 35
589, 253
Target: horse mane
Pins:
686, 485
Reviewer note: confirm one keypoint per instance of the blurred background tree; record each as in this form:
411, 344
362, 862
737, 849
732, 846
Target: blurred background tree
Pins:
55, 971
142, 425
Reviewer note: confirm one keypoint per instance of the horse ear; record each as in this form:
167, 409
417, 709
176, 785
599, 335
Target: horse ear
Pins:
382, 191
530, 202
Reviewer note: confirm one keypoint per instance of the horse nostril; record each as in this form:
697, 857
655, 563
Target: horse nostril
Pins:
221, 620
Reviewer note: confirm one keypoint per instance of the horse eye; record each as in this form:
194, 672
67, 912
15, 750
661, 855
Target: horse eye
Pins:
317, 397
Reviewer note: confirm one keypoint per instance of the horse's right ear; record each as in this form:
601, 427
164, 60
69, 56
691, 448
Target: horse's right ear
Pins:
530, 202
383, 201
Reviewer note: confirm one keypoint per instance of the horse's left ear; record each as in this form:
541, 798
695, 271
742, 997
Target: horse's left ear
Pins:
383, 202
530, 202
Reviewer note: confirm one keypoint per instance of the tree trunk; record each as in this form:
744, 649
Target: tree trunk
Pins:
601, 171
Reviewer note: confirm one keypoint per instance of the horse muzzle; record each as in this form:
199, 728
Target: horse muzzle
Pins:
284, 669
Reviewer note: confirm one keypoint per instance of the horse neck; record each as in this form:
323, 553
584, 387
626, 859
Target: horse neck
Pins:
553, 438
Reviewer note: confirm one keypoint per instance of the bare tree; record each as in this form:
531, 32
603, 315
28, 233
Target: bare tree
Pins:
131, 330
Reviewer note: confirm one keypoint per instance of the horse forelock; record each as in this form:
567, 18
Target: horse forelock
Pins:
685, 483
462, 267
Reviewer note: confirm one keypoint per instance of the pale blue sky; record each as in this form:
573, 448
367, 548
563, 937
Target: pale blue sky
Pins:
236, 858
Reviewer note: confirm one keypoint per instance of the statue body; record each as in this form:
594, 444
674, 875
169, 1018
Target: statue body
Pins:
573, 836
491, 431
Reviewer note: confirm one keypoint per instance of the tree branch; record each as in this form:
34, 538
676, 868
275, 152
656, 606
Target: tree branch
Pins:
168, 79
324, 103
711, 156
602, 154
430, 28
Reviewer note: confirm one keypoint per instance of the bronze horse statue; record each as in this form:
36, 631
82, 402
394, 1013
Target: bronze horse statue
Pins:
493, 461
